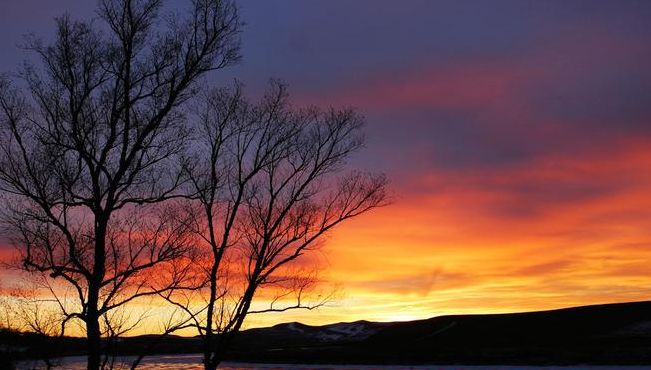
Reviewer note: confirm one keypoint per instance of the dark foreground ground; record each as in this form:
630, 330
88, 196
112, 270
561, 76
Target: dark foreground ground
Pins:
613, 334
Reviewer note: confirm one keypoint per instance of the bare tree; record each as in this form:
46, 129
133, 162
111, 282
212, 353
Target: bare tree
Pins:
117, 323
7, 321
29, 312
90, 149
7, 325
270, 183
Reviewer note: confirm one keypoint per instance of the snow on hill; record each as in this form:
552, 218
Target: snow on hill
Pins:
345, 331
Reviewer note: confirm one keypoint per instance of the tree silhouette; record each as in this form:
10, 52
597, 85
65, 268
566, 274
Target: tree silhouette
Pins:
29, 312
269, 182
120, 186
90, 142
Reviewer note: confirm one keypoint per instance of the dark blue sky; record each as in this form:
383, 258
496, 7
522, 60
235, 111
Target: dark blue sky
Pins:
570, 68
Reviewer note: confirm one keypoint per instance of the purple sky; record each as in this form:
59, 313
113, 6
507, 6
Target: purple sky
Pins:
575, 71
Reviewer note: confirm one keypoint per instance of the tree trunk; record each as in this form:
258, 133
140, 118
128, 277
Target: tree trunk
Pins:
213, 362
93, 338
213, 352
211, 357
93, 333
207, 353
210, 365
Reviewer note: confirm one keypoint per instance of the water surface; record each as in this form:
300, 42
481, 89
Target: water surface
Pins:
193, 362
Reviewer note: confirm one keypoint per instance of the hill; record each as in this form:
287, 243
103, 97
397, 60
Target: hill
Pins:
600, 334
610, 334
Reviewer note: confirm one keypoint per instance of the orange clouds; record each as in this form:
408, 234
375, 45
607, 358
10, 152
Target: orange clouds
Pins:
556, 232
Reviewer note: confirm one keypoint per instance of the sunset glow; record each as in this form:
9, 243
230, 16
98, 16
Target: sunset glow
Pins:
516, 139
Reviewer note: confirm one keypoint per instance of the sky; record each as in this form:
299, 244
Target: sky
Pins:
515, 135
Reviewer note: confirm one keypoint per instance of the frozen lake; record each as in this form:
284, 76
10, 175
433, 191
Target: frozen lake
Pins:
193, 362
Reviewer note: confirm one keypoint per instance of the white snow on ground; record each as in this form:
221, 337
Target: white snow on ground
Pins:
351, 331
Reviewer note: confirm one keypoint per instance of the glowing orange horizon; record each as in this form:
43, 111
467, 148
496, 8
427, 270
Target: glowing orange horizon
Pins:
479, 244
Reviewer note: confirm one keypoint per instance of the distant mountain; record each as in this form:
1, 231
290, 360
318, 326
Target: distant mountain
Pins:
297, 334
600, 334
615, 334
569, 325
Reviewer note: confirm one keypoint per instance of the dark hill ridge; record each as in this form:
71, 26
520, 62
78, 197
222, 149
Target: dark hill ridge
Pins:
568, 324
599, 334
614, 334
297, 334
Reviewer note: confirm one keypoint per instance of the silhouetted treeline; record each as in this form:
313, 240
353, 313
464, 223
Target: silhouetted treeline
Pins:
614, 334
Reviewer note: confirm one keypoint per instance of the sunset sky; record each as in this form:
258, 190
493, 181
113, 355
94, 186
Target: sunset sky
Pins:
516, 136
